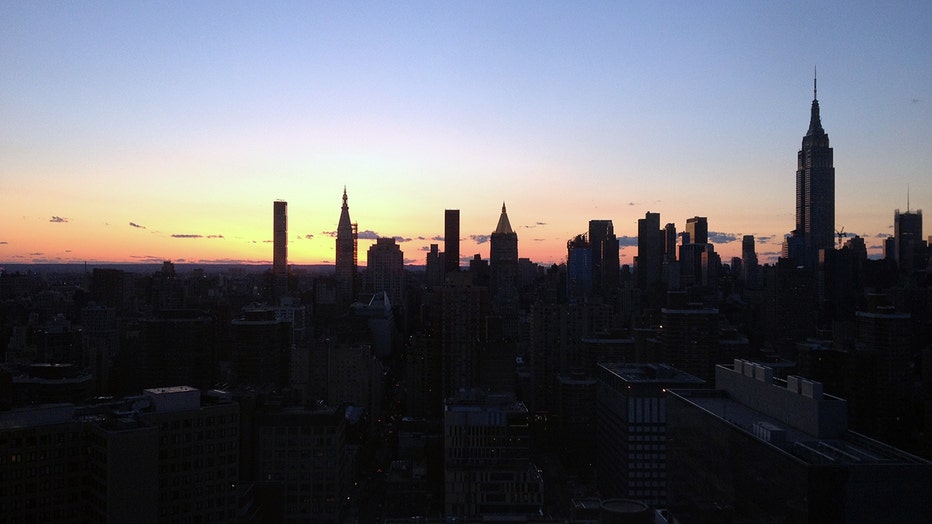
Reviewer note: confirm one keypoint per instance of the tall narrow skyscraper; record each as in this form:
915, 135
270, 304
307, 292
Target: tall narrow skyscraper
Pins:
503, 265
346, 256
604, 245
815, 190
280, 248
451, 240
649, 263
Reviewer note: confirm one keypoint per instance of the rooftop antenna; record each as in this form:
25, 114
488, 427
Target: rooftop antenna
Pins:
815, 78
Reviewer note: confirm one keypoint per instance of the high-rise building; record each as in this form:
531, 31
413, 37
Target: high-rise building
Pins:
650, 251
578, 268
385, 270
761, 449
748, 258
487, 467
669, 243
346, 256
698, 229
280, 248
631, 428
261, 347
815, 191
909, 247
503, 266
167, 455
451, 240
604, 247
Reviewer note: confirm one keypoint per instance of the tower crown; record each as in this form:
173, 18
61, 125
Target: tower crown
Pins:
504, 225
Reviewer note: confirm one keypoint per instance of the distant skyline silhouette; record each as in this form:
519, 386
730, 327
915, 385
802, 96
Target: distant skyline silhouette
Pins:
141, 133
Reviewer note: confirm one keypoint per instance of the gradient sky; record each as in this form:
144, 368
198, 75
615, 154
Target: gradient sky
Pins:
149, 131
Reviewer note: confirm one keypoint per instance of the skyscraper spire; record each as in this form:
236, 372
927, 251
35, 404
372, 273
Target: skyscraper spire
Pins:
815, 79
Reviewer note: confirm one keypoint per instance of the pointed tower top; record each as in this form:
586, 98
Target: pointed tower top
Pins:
815, 121
504, 226
815, 79
345, 227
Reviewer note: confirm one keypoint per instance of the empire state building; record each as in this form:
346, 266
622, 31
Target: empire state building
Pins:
815, 192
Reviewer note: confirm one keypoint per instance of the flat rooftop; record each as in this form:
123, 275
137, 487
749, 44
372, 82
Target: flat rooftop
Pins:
849, 450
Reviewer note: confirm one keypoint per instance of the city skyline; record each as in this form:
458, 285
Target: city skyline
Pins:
140, 133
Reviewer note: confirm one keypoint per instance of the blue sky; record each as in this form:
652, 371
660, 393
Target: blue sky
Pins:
189, 118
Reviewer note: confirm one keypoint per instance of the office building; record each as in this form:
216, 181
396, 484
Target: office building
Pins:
261, 347
604, 245
385, 270
815, 191
346, 245
649, 262
698, 230
578, 268
631, 422
909, 247
487, 467
503, 267
280, 248
301, 452
749, 265
451, 240
759, 449
167, 455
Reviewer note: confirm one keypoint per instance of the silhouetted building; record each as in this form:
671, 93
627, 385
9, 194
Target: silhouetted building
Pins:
280, 248
174, 347
167, 455
385, 270
909, 246
749, 266
815, 191
302, 452
604, 247
649, 264
503, 265
631, 428
578, 268
759, 449
487, 467
698, 230
434, 266
669, 243
451, 240
262, 345
346, 245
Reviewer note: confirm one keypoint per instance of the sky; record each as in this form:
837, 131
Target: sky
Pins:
158, 130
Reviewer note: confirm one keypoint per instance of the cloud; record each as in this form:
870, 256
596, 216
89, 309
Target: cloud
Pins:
717, 237
329, 233
176, 235
133, 224
409, 261
536, 224
4, 242
268, 241
632, 203
626, 241
36, 254
214, 236
401, 239
58, 220
367, 235
438, 238
765, 240
480, 239
425, 248
308, 236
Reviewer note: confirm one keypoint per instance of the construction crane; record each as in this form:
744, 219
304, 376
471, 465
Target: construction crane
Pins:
841, 235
